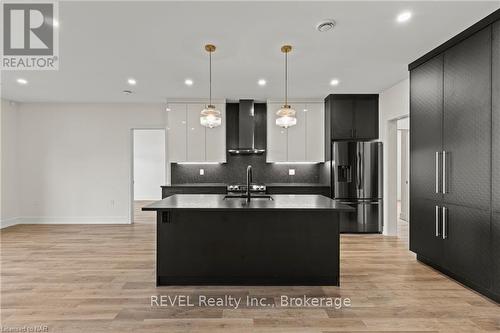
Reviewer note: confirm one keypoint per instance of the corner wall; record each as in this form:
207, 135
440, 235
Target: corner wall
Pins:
394, 103
74, 160
9, 212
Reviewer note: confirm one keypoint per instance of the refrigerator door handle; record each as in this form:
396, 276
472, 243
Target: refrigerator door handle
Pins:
358, 180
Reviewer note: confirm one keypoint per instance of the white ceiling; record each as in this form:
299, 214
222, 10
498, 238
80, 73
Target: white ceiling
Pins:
160, 44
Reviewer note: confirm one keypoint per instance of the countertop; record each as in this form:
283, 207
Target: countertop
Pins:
217, 202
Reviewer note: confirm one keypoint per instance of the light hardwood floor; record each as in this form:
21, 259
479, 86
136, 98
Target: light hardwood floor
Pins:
99, 278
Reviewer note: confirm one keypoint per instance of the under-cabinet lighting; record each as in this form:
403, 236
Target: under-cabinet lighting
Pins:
297, 162
187, 163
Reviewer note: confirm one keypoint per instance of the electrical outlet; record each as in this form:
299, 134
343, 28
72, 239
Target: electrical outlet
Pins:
291, 172
202, 172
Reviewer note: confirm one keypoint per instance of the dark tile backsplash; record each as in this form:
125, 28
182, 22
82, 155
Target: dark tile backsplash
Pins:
234, 171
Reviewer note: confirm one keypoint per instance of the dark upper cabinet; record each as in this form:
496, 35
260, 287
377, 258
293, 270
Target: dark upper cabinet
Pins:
466, 249
496, 119
366, 117
352, 117
467, 121
426, 104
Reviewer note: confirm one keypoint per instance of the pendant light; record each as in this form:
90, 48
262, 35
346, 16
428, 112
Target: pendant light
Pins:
286, 115
210, 117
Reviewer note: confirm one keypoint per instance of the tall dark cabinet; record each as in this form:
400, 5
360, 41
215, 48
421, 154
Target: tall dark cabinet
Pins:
495, 221
454, 151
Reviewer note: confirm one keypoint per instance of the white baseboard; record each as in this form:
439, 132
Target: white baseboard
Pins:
65, 220
9, 222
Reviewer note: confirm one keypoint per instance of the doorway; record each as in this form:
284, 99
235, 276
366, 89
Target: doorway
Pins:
148, 169
403, 175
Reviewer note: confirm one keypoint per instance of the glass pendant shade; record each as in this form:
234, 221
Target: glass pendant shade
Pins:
210, 117
286, 117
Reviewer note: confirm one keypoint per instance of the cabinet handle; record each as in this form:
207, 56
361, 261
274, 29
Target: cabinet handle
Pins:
437, 222
445, 222
437, 172
444, 171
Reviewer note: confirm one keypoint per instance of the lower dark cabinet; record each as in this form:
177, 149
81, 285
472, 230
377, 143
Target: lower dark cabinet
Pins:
466, 248
426, 229
495, 250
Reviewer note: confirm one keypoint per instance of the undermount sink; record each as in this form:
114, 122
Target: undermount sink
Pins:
253, 197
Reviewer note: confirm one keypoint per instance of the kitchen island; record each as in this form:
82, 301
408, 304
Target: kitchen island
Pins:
209, 239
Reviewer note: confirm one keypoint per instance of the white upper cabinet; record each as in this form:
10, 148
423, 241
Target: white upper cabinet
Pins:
297, 135
315, 132
188, 141
277, 137
195, 134
303, 142
215, 139
176, 129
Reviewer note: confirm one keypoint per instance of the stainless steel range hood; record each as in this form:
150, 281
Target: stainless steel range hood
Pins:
246, 130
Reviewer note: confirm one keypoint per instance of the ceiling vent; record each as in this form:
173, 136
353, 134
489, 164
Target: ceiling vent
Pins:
325, 25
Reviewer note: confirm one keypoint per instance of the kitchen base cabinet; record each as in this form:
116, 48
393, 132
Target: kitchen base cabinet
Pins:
466, 243
426, 229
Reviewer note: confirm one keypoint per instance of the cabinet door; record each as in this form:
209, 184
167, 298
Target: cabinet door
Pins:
466, 249
425, 229
296, 144
195, 134
342, 117
495, 250
177, 124
366, 117
277, 137
467, 121
315, 132
426, 115
216, 139
496, 119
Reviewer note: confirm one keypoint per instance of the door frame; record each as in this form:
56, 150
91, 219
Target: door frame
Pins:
131, 164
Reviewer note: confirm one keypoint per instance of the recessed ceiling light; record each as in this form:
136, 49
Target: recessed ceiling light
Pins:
22, 81
132, 81
334, 82
325, 25
403, 17
188, 82
262, 82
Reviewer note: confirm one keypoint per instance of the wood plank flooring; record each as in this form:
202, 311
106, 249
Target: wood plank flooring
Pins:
99, 278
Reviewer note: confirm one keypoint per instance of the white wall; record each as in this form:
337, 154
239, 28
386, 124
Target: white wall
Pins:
149, 163
9, 209
394, 103
75, 160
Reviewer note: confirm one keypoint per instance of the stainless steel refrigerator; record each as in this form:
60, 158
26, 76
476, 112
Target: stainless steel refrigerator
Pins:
357, 181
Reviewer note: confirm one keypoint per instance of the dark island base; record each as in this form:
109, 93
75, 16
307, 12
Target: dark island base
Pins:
197, 247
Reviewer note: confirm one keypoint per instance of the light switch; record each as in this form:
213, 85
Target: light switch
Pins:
202, 172
291, 172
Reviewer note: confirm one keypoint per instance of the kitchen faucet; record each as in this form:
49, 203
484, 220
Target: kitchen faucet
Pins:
249, 182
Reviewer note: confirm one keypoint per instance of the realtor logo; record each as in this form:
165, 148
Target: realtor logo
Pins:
30, 36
